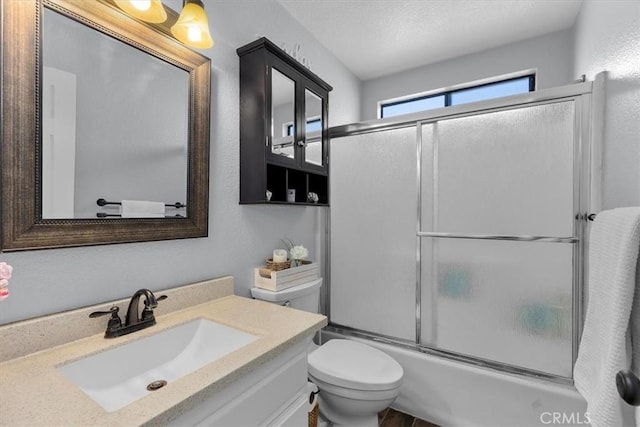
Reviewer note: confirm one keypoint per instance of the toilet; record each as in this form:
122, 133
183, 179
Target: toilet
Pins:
356, 381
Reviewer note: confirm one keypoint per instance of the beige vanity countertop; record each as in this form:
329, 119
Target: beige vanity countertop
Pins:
34, 393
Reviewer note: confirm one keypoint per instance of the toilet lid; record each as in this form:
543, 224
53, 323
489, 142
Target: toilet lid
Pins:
350, 364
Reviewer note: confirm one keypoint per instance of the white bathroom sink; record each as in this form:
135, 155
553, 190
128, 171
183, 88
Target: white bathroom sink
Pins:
120, 376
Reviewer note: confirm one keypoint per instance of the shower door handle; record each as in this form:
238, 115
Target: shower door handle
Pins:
628, 387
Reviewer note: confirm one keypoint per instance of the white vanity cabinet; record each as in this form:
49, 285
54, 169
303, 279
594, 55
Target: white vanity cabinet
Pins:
272, 394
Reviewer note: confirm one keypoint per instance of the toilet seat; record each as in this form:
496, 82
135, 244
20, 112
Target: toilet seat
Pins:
350, 364
351, 393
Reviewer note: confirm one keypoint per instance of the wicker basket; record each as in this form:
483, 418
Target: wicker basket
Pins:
277, 266
313, 416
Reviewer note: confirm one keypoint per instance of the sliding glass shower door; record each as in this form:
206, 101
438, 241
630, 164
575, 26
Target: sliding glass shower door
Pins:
489, 182
462, 234
373, 224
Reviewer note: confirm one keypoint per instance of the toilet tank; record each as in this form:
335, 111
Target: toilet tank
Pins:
304, 297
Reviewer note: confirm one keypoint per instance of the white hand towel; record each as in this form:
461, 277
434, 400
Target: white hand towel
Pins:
142, 209
607, 344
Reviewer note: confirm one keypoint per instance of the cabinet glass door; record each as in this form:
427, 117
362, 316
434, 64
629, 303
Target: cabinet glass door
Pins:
283, 123
313, 153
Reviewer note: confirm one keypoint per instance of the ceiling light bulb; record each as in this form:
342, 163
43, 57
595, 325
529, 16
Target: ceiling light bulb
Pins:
194, 34
141, 5
144, 10
192, 27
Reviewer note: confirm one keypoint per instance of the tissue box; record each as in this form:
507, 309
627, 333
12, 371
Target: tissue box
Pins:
278, 280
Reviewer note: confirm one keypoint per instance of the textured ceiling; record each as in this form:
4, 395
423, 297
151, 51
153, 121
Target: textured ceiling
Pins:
379, 37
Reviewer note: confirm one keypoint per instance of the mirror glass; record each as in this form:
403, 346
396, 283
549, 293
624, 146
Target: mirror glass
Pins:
313, 120
115, 126
282, 114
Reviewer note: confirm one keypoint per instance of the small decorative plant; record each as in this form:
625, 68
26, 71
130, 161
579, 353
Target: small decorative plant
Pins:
298, 252
5, 275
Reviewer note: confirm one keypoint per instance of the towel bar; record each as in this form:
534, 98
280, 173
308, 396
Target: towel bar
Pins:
498, 237
628, 387
103, 202
105, 215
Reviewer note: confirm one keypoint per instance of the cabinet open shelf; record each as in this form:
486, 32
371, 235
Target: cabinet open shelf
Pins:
280, 179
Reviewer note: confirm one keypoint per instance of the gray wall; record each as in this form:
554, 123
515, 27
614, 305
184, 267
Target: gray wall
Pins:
240, 237
608, 39
550, 54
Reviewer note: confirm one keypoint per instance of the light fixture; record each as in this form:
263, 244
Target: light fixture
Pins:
192, 27
145, 10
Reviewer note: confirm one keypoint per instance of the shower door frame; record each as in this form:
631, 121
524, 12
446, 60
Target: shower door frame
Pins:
587, 99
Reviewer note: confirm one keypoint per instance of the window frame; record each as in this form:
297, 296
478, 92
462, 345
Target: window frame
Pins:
448, 91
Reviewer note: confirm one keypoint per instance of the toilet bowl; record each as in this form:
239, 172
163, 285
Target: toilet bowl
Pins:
356, 381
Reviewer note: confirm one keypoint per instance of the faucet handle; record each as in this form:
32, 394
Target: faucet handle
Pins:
113, 311
114, 321
153, 302
160, 298
147, 312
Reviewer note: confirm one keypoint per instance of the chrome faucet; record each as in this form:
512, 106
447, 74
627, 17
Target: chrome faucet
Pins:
133, 322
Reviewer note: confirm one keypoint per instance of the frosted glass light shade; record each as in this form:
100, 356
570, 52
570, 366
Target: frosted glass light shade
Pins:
192, 27
145, 10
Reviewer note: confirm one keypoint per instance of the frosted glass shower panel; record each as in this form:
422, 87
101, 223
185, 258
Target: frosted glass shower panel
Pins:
373, 232
505, 172
508, 302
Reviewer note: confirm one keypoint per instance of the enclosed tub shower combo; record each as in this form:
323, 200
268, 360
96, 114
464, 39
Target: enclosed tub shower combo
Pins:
458, 247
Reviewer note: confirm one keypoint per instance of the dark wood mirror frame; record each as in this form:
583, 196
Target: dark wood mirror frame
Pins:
22, 225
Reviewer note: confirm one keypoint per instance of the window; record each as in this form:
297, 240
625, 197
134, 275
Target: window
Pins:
492, 90
412, 105
463, 95
313, 125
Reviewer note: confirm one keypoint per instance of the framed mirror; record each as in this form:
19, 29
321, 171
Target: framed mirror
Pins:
105, 128
283, 97
314, 151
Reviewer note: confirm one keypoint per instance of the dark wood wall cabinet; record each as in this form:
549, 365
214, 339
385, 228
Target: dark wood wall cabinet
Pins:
284, 143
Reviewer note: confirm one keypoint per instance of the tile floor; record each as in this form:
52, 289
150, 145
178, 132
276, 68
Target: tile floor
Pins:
392, 418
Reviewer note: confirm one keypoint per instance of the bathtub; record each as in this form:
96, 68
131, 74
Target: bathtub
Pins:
450, 393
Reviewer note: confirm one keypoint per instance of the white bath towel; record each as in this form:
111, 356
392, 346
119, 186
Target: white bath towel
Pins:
142, 209
607, 344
